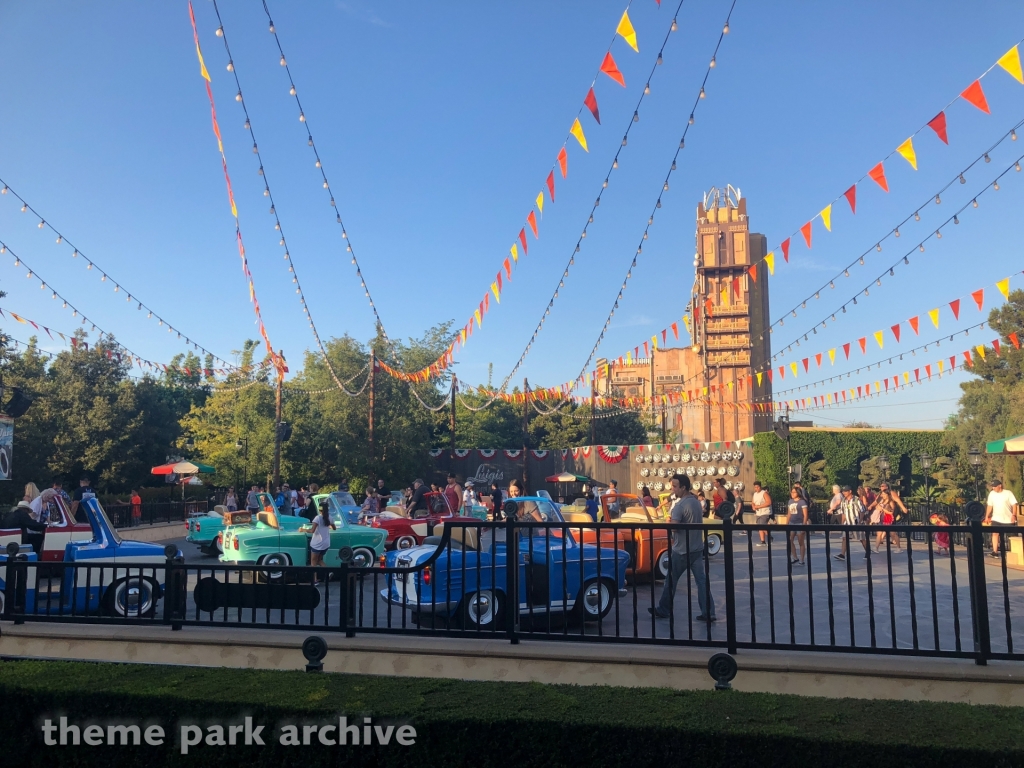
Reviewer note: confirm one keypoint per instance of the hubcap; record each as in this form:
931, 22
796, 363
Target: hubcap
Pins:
405, 542
133, 599
361, 558
593, 599
480, 607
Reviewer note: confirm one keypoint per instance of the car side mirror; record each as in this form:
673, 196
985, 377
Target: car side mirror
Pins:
510, 508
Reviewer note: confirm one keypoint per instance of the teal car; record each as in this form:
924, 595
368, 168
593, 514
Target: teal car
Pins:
275, 540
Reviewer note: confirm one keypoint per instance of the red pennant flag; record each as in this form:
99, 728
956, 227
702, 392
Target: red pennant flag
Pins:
752, 271
952, 362
973, 94
859, 391
877, 175
806, 363
782, 372
886, 382
664, 337
805, 230
609, 68
1013, 340
896, 382
532, 221
896, 332
551, 185
846, 349
979, 297
913, 324
851, 198
785, 249
563, 161
646, 354
928, 370
591, 102
522, 240
917, 374
995, 345
863, 341
967, 357
498, 281
955, 306
938, 124
675, 330
817, 359
769, 374
508, 267
735, 287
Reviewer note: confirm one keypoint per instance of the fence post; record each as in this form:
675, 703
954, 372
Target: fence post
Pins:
175, 589
730, 585
511, 579
345, 600
979, 593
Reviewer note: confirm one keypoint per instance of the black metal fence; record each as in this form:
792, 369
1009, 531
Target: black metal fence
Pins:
913, 589
149, 512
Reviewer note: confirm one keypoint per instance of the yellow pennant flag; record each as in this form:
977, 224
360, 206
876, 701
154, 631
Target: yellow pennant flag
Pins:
625, 29
654, 342
906, 377
907, 150
826, 217
577, 131
879, 336
479, 321
206, 75
1010, 61
878, 387
793, 366
1004, 287
540, 202
940, 367
832, 356
759, 375
686, 322
770, 261
934, 315
496, 292
515, 252
981, 350
629, 358
725, 296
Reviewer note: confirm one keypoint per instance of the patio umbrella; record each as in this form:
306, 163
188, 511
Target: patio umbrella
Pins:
183, 468
1006, 445
566, 477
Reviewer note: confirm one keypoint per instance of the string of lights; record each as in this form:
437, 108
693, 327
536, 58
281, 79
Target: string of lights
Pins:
233, 69
431, 408
16, 343
665, 188
895, 233
6, 189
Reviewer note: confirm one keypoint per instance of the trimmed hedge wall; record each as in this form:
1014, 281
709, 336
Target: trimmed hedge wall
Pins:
843, 453
460, 723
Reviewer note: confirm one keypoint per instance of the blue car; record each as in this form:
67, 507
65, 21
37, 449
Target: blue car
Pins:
557, 574
115, 589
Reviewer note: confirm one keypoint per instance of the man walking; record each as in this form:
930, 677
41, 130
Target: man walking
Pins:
1001, 510
761, 502
252, 503
852, 512
687, 553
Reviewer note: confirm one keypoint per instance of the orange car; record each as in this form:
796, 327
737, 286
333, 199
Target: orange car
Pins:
644, 546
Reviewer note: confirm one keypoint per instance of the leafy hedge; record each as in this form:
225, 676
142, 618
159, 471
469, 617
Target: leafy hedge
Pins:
842, 453
489, 724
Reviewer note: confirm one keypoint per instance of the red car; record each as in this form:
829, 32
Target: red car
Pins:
61, 529
405, 532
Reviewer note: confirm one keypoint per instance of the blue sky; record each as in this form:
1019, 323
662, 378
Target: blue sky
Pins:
438, 124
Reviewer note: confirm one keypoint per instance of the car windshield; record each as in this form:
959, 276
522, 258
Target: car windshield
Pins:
344, 498
334, 505
266, 503
110, 525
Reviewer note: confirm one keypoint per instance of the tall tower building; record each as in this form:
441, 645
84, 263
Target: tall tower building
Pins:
730, 318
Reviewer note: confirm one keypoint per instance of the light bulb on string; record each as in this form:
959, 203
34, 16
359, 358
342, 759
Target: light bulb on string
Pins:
24, 208
995, 186
938, 200
690, 121
896, 232
231, 66
974, 203
921, 247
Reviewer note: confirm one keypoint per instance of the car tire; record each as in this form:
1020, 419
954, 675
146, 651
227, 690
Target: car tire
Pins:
208, 550
133, 597
714, 543
405, 542
595, 600
661, 566
363, 557
277, 559
482, 610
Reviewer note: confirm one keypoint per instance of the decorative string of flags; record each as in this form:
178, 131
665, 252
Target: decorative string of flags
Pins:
277, 359
897, 331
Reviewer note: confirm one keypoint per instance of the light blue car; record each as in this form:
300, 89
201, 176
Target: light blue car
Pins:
557, 574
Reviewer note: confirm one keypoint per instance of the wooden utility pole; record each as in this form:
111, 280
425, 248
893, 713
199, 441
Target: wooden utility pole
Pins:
373, 394
593, 424
653, 419
526, 432
277, 429
451, 425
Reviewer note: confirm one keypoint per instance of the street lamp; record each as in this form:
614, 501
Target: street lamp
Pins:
243, 444
883, 464
976, 460
926, 464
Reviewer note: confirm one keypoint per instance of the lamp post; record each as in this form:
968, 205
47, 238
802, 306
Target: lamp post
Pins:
976, 460
242, 444
926, 464
883, 464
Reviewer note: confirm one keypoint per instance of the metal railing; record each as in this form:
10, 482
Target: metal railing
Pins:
923, 590
150, 512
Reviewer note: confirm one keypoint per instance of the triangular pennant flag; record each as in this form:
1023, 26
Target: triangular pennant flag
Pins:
979, 297
1010, 61
955, 306
817, 359
846, 350
531, 219
785, 249
877, 175
863, 341
928, 370
851, 198
515, 252
522, 240
735, 286
476, 314
981, 350
497, 292
805, 230
973, 94
832, 356
933, 314
879, 337
968, 358
759, 378
826, 217
938, 124
914, 325
609, 67
675, 330
896, 332
769, 259
664, 336
752, 271
591, 103
540, 202
1004, 287
793, 367
625, 29
995, 346
907, 150
550, 181
782, 372
1014, 340
563, 160
806, 362
508, 268
577, 131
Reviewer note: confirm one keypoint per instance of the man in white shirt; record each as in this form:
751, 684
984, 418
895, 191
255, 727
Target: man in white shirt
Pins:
1001, 510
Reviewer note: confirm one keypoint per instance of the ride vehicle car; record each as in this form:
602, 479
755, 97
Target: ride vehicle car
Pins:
61, 528
467, 582
648, 548
128, 584
404, 532
272, 543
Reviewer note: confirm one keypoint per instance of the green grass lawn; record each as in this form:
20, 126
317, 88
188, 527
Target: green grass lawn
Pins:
489, 723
